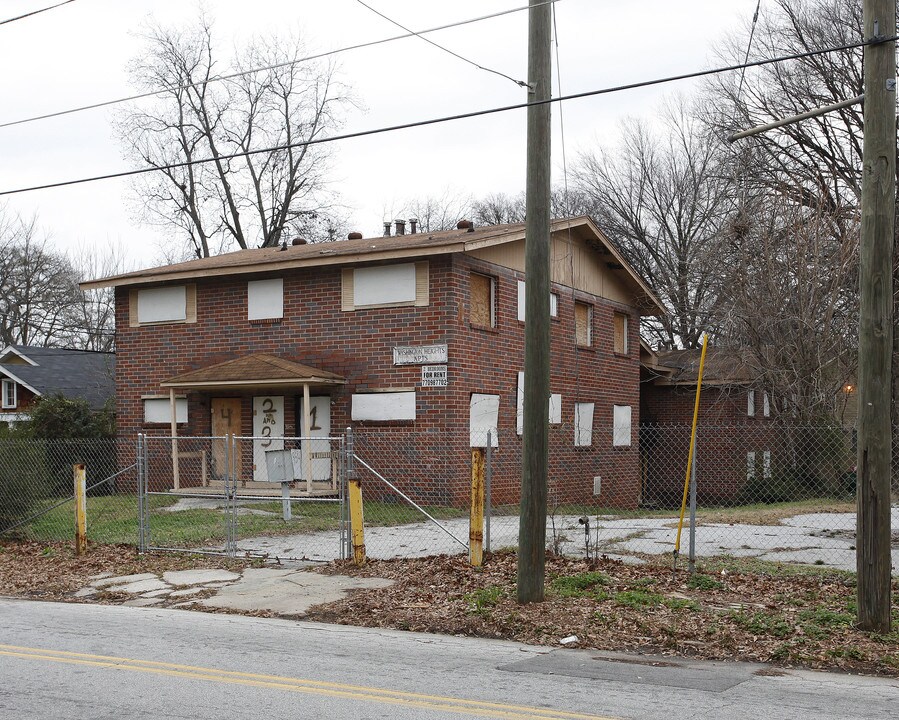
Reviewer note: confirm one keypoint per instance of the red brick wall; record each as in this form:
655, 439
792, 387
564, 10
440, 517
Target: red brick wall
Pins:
429, 456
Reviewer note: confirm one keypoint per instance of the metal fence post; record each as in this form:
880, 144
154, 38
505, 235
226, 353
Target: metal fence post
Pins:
692, 558
488, 478
230, 493
141, 539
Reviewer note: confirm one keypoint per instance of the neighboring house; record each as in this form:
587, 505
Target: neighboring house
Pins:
27, 373
421, 332
736, 436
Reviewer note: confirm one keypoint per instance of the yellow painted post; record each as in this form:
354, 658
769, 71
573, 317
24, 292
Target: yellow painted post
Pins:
80, 509
356, 527
476, 520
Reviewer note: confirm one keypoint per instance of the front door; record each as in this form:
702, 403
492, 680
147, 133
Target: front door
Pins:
225, 422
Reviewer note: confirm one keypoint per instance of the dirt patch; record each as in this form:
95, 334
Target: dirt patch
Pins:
771, 614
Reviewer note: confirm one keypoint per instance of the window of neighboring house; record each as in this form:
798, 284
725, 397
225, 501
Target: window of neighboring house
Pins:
159, 410
621, 425
766, 405
169, 304
750, 403
383, 406
619, 321
483, 300
10, 399
402, 285
583, 324
583, 424
553, 302
265, 299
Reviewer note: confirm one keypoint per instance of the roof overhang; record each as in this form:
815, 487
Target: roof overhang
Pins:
253, 372
4, 371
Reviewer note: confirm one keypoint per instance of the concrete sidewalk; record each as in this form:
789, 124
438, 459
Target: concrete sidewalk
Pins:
288, 592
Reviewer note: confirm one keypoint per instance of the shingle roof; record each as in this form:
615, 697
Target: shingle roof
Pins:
255, 369
267, 260
73, 373
722, 366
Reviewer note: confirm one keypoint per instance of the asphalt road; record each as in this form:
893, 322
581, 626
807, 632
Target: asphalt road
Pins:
103, 662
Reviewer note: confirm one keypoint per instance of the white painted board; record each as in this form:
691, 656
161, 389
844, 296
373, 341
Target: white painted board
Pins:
583, 424
163, 304
384, 284
621, 425
268, 427
158, 410
483, 417
555, 407
383, 406
265, 299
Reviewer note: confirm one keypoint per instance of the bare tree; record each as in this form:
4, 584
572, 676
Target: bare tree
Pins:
663, 196
248, 200
38, 290
499, 209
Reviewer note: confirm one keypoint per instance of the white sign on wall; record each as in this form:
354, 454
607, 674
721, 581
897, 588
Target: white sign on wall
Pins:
434, 376
420, 354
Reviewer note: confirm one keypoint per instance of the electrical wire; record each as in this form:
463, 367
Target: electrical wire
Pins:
377, 12
460, 116
35, 12
290, 63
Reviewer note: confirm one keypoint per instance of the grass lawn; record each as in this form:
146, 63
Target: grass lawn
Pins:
113, 519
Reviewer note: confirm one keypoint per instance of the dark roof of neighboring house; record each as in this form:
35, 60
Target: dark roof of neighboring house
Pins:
73, 373
276, 259
722, 367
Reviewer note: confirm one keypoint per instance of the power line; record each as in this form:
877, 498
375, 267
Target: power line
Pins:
460, 116
34, 12
290, 63
520, 83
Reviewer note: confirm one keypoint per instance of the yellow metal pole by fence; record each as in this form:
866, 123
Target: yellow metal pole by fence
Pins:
476, 520
357, 530
80, 509
683, 505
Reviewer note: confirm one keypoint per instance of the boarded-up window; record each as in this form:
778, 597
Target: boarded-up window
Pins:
766, 405
583, 324
750, 465
554, 407
621, 425
159, 410
265, 299
483, 417
750, 403
384, 406
620, 333
553, 302
583, 424
400, 285
170, 304
483, 293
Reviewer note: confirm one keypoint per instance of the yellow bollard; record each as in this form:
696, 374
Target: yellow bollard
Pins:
357, 529
476, 520
80, 509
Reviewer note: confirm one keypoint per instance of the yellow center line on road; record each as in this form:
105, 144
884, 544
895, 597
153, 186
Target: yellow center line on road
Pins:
315, 687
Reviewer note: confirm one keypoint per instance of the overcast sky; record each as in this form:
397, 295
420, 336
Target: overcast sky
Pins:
77, 54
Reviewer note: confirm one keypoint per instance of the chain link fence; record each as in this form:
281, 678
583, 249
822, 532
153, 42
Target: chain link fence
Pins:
775, 491
37, 498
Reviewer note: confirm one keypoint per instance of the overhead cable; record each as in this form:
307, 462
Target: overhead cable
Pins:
35, 12
289, 63
452, 118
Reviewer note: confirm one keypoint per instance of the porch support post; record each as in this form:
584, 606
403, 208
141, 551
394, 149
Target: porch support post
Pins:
307, 442
173, 407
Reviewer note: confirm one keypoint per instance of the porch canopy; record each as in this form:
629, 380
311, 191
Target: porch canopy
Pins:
256, 371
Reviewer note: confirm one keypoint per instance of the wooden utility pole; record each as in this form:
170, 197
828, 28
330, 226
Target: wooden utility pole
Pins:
875, 340
535, 433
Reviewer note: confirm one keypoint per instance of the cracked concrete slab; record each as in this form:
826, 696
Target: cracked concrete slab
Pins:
198, 577
110, 579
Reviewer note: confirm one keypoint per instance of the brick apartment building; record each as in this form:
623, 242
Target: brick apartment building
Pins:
737, 434
418, 333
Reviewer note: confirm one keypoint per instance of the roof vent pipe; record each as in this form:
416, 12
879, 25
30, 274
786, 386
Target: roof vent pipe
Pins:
298, 241
387, 228
413, 226
400, 227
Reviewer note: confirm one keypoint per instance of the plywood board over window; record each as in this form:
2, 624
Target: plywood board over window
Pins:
383, 406
583, 324
482, 298
397, 285
621, 425
159, 410
157, 305
483, 418
265, 299
619, 321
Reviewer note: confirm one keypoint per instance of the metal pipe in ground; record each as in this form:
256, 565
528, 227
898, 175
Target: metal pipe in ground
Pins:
488, 479
692, 562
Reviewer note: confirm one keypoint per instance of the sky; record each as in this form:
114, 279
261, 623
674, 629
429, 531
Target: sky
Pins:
78, 54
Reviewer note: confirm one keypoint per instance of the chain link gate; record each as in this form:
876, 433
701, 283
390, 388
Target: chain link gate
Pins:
274, 497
